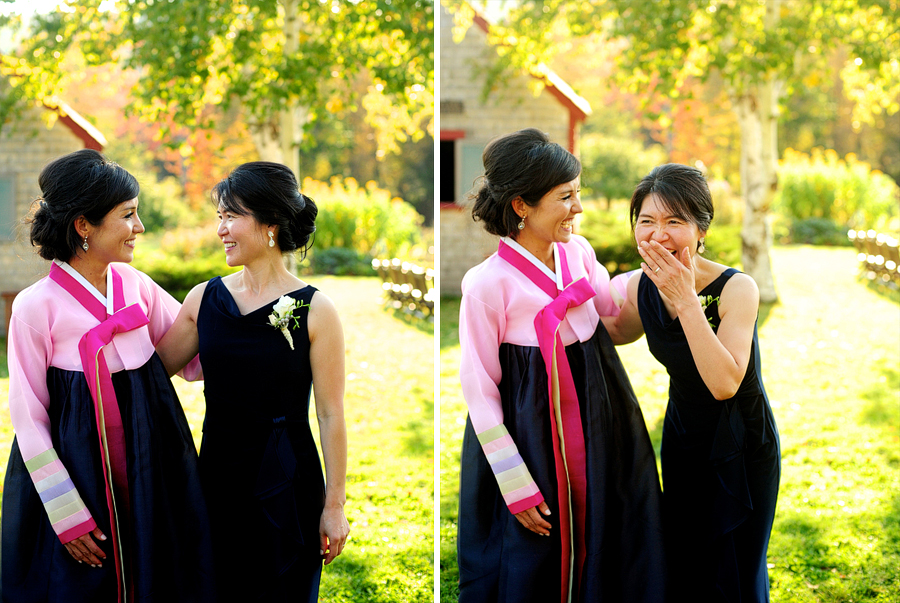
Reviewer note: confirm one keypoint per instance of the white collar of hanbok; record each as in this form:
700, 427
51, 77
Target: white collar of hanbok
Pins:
108, 302
557, 277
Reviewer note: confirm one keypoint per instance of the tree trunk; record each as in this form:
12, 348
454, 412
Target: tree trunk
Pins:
758, 183
278, 138
757, 112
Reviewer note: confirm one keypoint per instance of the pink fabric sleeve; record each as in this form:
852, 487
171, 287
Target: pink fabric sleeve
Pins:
162, 310
480, 334
29, 354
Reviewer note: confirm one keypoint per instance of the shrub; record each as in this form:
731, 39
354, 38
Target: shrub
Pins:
612, 167
818, 231
365, 219
847, 192
609, 233
163, 205
342, 262
178, 277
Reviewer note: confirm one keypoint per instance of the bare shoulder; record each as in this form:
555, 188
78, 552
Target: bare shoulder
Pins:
740, 291
323, 317
742, 284
632, 286
321, 307
191, 304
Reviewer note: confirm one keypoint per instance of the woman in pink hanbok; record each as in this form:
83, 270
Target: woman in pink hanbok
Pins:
101, 501
559, 493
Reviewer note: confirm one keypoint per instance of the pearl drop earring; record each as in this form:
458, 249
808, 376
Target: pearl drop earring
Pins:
85, 246
271, 239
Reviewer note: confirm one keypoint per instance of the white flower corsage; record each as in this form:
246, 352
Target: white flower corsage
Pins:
705, 301
283, 314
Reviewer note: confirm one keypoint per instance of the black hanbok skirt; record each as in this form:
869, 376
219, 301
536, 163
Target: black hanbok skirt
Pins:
500, 560
166, 538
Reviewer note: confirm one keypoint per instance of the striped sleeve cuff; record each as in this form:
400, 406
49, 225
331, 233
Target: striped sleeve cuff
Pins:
68, 514
516, 484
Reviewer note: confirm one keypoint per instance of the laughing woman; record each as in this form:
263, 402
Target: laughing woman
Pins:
559, 495
266, 340
721, 459
102, 498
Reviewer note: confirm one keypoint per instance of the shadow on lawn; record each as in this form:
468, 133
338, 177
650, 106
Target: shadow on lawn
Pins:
881, 400
418, 434
801, 549
355, 579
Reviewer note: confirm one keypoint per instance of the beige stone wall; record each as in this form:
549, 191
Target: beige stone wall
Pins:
464, 244
512, 106
24, 151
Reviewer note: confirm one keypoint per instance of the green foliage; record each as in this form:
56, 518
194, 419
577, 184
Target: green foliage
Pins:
179, 277
845, 191
609, 233
612, 166
745, 43
163, 206
817, 231
196, 53
364, 219
341, 261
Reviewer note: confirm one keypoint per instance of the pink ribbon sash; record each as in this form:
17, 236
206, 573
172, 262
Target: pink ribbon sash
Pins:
568, 442
106, 406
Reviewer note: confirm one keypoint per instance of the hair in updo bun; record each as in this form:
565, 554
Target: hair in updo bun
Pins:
269, 192
523, 164
83, 183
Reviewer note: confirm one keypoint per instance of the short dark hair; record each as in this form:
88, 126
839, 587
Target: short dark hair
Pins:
269, 192
83, 183
523, 164
681, 189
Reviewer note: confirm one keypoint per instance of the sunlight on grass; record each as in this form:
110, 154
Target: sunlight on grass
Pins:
830, 364
389, 406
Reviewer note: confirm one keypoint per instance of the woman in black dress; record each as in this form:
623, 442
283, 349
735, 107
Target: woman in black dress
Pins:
721, 459
265, 339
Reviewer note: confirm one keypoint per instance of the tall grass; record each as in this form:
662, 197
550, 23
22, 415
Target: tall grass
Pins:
831, 365
389, 406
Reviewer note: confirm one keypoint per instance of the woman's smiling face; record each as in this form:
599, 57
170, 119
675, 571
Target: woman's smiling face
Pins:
113, 239
656, 222
245, 239
552, 219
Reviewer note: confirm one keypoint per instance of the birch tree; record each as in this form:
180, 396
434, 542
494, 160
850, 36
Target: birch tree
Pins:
283, 61
762, 49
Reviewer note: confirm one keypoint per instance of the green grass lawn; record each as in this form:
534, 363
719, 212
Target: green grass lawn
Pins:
390, 416
831, 363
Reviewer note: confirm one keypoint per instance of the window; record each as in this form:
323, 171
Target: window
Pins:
460, 166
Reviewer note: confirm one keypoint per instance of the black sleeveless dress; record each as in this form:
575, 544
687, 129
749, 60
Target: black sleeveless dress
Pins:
721, 464
259, 465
